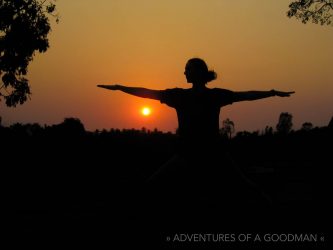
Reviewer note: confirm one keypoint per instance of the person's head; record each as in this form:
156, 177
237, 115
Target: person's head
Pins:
196, 72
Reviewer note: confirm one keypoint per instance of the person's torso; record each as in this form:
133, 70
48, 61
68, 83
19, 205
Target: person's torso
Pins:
198, 114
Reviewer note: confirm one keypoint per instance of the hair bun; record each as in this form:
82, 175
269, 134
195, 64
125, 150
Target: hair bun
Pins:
211, 75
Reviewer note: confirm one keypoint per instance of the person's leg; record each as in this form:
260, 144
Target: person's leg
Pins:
172, 169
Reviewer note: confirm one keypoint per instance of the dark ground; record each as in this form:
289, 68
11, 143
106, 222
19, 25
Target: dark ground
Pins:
89, 190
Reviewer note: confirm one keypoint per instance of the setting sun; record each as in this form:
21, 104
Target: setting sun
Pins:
146, 111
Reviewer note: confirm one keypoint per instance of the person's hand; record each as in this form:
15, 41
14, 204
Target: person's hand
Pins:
282, 94
111, 87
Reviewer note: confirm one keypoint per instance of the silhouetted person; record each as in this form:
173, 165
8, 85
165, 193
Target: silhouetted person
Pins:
198, 108
196, 166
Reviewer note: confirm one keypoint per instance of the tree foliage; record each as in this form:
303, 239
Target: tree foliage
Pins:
307, 126
317, 11
330, 124
228, 128
24, 29
285, 123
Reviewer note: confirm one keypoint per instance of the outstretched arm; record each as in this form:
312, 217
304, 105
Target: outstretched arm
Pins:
140, 92
255, 95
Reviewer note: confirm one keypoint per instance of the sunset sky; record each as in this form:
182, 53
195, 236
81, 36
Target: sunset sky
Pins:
251, 44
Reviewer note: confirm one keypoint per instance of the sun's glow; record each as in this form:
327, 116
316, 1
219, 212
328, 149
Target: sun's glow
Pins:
146, 111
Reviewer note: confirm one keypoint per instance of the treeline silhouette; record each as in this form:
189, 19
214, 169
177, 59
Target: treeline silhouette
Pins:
65, 179
137, 153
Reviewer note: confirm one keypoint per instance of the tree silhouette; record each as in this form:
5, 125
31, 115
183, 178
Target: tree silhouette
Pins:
228, 128
330, 124
318, 11
268, 130
24, 27
285, 123
306, 126
72, 127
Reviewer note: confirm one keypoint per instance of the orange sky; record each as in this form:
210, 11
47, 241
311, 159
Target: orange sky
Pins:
252, 45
